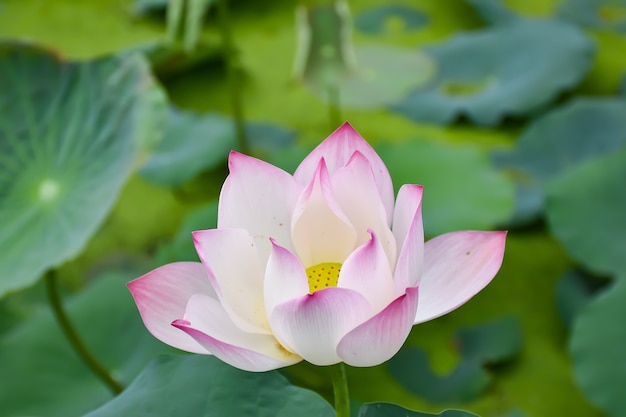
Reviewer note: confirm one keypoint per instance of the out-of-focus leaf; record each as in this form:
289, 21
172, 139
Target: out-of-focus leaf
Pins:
393, 410
485, 344
142, 7
41, 374
494, 11
585, 209
582, 129
196, 142
69, 135
573, 292
384, 75
169, 60
390, 18
462, 189
596, 14
597, 346
504, 70
204, 386
181, 247
363, 77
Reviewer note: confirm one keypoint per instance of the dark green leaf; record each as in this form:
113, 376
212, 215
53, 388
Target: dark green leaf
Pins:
597, 14
485, 344
585, 210
194, 142
597, 346
390, 18
505, 70
462, 190
393, 410
69, 135
583, 129
203, 386
573, 292
47, 378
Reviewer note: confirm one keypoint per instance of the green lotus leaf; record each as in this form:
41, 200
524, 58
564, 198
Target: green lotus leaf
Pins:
583, 129
494, 11
585, 209
383, 75
205, 386
501, 71
573, 292
70, 133
489, 343
596, 14
462, 189
195, 142
142, 7
46, 376
390, 18
393, 410
597, 347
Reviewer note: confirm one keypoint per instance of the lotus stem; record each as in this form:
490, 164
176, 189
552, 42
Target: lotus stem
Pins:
233, 68
340, 390
72, 336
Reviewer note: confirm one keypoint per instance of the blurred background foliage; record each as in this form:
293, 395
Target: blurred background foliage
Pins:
116, 119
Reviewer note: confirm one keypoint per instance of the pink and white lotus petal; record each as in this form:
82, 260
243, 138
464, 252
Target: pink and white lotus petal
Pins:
355, 190
259, 198
208, 323
382, 336
313, 325
321, 232
457, 266
161, 297
409, 232
367, 271
285, 278
337, 150
234, 267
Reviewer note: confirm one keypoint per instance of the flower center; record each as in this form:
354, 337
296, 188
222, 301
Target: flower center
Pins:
323, 275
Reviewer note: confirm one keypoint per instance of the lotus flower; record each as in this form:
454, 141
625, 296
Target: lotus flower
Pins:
321, 266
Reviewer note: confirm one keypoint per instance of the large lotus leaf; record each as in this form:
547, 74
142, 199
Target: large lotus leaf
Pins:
504, 70
383, 75
393, 410
43, 376
462, 190
489, 343
597, 346
598, 14
494, 11
204, 386
390, 18
585, 210
582, 129
573, 292
69, 135
194, 142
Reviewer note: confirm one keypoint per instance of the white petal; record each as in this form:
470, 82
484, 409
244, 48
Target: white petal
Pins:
457, 266
382, 336
355, 190
237, 274
259, 198
337, 150
285, 278
209, 324
409, 232
162, 295
312, 325
367, 271
321, 232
